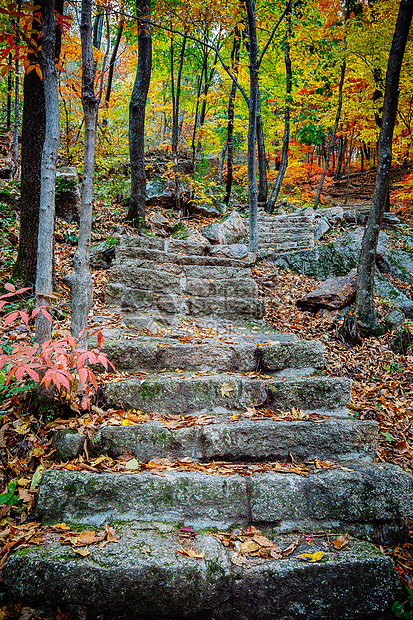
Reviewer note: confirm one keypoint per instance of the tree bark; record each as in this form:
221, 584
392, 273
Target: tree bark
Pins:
252, 126
365, 311
80, 280
45, 242
231, 106
262, 166
137, 204
33, 132
287, 122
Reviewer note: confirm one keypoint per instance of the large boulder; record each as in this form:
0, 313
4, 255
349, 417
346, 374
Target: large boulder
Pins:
227, 232
68, 197
159, 194
334, 215
327, 261
334, 293
398, 264
103, 254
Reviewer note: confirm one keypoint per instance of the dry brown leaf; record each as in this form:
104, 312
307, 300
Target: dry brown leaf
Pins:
226, 389
248, 546
83, 551
341, 542
190, 553
263, 541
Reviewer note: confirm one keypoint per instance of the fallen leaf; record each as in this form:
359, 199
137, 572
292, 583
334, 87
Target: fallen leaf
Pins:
83, 551
226, 389
341, 542
263, 541
132, 465
248, 546
190, 553
311, 557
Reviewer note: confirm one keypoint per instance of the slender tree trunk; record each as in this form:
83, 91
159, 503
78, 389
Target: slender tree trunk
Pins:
16, 103
333, 133
97, 30
137, 204
9, 95
198, 95
175, 117
231, 106
252, 126
262, 166
365, 311
80, 280
287, 123
350, 153
45, 244
207, 86
33, 132
221, 162
112, 63
105, 59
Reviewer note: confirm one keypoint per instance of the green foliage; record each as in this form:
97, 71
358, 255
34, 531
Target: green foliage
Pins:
65, 185
7, 390
404, 610
10, 498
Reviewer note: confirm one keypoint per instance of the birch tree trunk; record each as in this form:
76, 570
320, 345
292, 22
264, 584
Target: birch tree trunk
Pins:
252, 126
262, 166
137, 204
45, 239
365, 311
80, 280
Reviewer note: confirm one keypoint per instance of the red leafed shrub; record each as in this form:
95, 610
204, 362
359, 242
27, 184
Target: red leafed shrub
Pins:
59, 363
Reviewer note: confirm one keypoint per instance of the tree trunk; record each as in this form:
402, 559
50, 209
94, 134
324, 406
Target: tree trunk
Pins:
33, 132
45, 242
16, 102
287, 124
175, 116
112, 66
230, 126
365, 311
80, 280
198, 95
137, 204
252, 126
333, 134
9, 94
262, 166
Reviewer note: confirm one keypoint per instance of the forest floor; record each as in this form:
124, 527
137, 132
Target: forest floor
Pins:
382, 379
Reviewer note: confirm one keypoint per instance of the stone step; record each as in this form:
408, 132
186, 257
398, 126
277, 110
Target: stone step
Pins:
221, 393
241, 440
243, 356
143, 578
371, 501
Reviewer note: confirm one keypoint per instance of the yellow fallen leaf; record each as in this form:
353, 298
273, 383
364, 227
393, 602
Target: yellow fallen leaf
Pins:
61, 526
132, 464
39, 451
23, 482
248, 546
126, 422
84, 538
83, 551
226, 389
311, 557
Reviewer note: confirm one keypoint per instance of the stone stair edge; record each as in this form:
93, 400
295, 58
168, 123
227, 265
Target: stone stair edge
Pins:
53, 577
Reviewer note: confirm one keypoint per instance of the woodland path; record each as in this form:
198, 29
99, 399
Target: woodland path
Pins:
245, 458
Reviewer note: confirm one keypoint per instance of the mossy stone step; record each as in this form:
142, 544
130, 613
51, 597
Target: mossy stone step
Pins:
184, 393
143, 578
240, 441
368, 500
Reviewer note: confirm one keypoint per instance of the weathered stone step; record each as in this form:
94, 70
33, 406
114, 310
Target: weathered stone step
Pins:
244, 356
125, 269
215, 393
159, 257
143, 578
370, 501
239, 440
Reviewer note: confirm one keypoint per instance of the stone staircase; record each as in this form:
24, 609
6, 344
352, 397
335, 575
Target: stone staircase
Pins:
246, 399
284, 233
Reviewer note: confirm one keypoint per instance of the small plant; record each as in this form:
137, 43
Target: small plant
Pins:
10, 497
59, 363
404, 610
65, 185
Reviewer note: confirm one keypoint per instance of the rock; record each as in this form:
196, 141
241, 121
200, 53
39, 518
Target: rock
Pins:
230, 251
402, 343
159, 225
196, 237
326, 261
334, 293
398, 264
407, 310
382, 243
409, 243
350, 217
159, 194
390, 220
68, 444
204, 210
383, 288
231, 230
103, 254
208, 165
334, 215
393, 320
321, 227
68, 197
